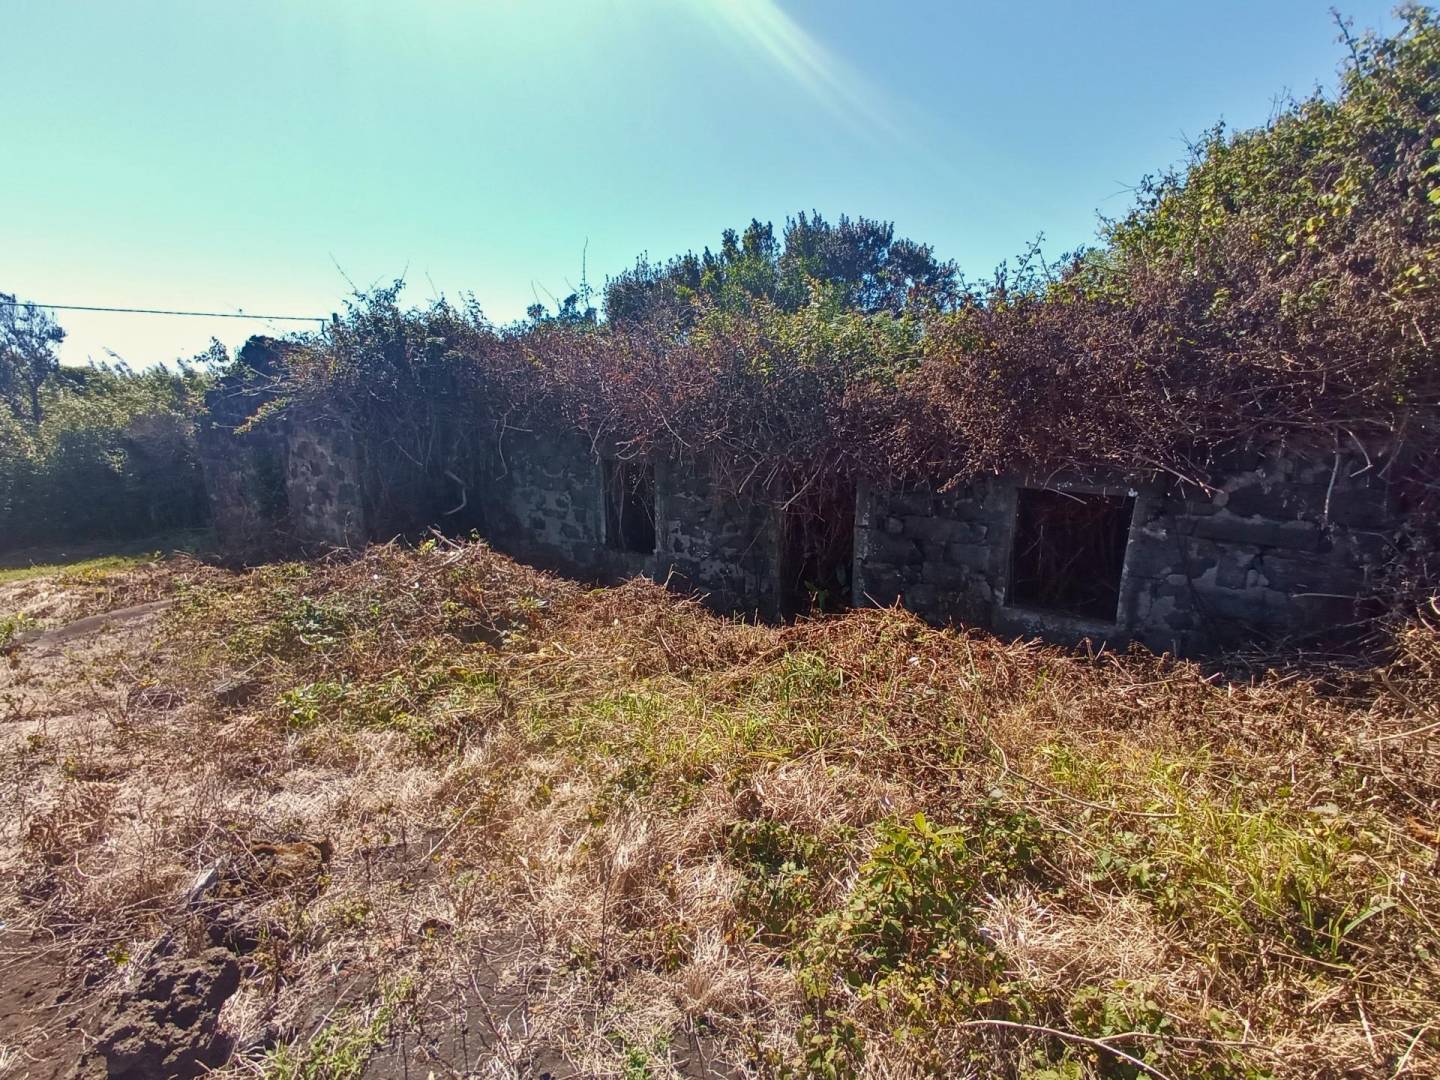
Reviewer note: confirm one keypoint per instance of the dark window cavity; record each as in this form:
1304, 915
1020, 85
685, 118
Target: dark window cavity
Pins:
630, 506
1069, 552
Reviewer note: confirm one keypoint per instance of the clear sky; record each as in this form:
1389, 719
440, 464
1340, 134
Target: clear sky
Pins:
241, 155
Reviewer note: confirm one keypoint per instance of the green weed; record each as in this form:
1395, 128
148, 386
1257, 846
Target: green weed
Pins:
338, 1051
786, 873
12, 626
1262, 869
342, 1048
86, 570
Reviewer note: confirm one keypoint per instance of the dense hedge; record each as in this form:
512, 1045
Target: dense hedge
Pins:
111, 458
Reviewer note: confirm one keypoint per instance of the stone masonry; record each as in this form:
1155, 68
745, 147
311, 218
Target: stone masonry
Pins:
1285, 547
544, 503
276, 487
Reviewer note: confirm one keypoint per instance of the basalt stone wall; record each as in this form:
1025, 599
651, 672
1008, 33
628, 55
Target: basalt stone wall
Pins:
933, 553
545, 504
322, 487
279, 487
1280, 547
281, 490
245, 473
245, 484
723, 545
1285, 547
1290, 547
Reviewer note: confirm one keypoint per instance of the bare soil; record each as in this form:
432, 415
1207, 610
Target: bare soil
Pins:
62, 681
42, 1030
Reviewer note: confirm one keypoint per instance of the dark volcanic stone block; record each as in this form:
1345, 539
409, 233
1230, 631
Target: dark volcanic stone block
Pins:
893, 549
1228, 528
973, 556
947, 577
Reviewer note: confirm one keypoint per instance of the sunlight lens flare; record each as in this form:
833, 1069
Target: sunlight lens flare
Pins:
765, 26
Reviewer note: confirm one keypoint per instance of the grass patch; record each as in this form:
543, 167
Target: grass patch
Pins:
80, 570
11, 626
90, 561
342, 1048
847, 847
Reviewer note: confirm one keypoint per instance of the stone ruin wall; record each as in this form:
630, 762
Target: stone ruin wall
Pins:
544, 504
297, 488
245, 479
275, 491
323, 488
1285, 547
279, 487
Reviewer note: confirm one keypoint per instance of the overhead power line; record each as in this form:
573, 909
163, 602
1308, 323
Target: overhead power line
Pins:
162, 311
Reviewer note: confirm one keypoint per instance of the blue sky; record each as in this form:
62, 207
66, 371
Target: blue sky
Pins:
195, 154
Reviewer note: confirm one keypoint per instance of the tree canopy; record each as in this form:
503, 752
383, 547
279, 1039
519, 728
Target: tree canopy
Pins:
854, 264
28, 336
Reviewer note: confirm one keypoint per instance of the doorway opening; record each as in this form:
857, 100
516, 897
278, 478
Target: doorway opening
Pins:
819, 555
629, 490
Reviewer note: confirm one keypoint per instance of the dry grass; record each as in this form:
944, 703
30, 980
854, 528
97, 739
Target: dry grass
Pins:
605, 833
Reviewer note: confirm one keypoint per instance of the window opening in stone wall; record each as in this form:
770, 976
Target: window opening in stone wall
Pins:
1069, 552
630, 506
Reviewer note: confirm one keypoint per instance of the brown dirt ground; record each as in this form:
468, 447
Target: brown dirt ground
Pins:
41, 1025
73, 675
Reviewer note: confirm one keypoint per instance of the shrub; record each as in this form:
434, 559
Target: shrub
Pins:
111, 458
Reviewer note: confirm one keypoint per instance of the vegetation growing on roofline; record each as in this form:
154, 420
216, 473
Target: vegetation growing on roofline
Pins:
1283, 282
1277, 290
1280, 285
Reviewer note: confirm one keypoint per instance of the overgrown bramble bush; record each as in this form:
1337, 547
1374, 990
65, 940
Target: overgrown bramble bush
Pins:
1282, 285
1279, 289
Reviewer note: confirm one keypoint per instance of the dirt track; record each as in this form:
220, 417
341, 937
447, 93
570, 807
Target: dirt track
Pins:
67, 678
